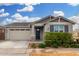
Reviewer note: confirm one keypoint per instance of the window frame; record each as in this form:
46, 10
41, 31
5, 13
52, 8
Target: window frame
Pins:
57, 28
19, 29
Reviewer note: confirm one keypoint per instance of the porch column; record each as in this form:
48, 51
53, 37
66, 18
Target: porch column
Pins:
33, 33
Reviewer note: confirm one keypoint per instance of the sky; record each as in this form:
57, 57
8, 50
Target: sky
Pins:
30, 12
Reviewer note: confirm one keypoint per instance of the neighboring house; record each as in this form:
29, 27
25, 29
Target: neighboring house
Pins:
2, 33
36, 30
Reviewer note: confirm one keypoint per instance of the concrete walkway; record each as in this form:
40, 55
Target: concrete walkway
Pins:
14, 48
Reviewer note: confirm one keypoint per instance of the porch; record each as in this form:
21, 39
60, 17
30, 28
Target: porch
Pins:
39, 33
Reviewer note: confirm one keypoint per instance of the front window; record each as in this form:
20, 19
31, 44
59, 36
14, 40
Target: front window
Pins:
58, 28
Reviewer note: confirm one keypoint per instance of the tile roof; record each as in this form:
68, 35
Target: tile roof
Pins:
19, 24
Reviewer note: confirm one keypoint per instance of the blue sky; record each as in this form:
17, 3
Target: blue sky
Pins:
32, 12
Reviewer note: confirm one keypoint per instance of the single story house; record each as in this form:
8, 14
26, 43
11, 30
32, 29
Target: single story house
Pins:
35, 30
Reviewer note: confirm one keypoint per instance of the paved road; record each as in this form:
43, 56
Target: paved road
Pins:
14, 48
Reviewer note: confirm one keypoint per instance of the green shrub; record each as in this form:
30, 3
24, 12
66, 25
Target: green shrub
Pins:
55, 45
77, 46
57, 39
33, 45
42, 45
48, 43
74, 45
66, 45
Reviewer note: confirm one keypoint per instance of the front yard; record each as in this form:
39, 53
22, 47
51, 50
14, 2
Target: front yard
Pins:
55, 44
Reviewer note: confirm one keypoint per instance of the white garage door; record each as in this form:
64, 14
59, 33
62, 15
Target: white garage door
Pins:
19, 34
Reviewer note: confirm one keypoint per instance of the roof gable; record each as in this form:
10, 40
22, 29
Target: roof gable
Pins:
44, 19
55, 19
62, 19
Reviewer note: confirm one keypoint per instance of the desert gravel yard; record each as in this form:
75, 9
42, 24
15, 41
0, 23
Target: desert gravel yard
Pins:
14, 48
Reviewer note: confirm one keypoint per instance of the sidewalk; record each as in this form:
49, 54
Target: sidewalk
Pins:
55, 52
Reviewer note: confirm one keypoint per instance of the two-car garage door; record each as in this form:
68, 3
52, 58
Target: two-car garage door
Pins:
19, 34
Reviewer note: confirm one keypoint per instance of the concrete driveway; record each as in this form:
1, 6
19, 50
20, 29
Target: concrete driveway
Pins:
13, 47
13, 44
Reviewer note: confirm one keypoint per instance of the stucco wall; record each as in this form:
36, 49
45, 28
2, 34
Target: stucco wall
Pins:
47, 26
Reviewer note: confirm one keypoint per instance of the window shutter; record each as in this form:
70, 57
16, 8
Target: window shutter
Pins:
66, 28
51, 28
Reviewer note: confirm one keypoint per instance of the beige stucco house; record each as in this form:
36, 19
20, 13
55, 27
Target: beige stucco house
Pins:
36, 30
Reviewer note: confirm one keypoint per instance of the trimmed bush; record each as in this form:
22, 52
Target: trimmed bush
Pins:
58, 39
42, 45
58, 35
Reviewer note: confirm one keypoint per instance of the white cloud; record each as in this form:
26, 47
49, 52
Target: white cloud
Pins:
31, 19
6, 21
6, 4
17, 15
31, 4
28, 3
26, 19
73, 4
4, 14
19, 18
58, 13
75, 19
28, 8
2, 11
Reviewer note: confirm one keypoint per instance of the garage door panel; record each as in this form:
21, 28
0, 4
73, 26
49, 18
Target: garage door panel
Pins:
19, 35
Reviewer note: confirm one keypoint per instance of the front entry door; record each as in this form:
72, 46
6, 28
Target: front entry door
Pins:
37, 33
